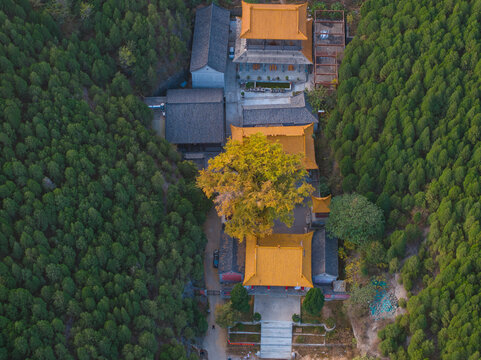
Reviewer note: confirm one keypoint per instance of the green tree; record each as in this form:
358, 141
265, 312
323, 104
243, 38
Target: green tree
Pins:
320, 99
226, 316
239, 298
126, 55
362, 296
354, 218
314, 301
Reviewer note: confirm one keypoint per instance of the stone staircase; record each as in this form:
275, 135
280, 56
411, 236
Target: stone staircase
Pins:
276, 340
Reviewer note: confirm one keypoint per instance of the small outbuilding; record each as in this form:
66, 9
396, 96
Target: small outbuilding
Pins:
209, 48
325, 261
231, 260
320, 210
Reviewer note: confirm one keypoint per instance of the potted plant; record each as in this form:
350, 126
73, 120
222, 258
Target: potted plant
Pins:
248, 77
242, 93
287, 77
259, 78
268, 77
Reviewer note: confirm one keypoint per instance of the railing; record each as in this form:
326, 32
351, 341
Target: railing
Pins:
242, 344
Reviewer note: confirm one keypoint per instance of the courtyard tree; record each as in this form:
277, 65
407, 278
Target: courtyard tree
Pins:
225, 315
355, 219
239, 298
314, 301
254, 183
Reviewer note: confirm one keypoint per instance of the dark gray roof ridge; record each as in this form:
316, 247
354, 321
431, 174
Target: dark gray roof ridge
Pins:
211, 35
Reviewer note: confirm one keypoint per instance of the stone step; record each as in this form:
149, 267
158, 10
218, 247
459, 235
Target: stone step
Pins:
276, 334
275, 354
276, 340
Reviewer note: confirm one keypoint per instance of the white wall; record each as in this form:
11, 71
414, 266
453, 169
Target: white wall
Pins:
207, 78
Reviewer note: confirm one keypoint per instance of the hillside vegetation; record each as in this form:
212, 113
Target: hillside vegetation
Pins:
406, 133
99, 221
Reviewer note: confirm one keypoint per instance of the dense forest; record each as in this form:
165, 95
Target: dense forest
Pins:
100, 222
406, 133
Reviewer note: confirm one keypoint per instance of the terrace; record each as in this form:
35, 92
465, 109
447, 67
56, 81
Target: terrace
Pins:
329, 44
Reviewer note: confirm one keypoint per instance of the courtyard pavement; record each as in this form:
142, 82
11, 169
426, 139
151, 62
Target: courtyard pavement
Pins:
276, 324
277, 308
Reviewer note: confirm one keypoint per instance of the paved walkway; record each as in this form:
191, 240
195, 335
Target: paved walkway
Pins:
215, 340
276, 324
276, 340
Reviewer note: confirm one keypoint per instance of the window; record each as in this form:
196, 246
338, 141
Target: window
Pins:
272, 67
290, 68
256, 66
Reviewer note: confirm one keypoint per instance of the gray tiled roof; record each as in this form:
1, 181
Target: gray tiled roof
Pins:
298, 112
211, 35
190, 96
231, 255
195, 116
324, 254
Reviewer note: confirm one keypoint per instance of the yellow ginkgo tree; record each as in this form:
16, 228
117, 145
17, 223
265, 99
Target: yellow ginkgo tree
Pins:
254, 183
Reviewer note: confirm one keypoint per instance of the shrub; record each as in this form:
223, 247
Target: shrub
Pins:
314, 301
257, 316
296, 318
239, 298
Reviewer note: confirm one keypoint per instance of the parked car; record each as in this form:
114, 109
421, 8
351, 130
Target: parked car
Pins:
231, 52
216, 259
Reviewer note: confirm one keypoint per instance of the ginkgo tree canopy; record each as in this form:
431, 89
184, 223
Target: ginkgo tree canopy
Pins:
254, 183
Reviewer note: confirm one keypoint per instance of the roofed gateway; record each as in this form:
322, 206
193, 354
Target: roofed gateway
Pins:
279, 260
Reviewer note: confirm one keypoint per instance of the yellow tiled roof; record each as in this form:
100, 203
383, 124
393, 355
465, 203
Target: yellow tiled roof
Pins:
274, 21
321, 204
294, 139
279, 260
307, 44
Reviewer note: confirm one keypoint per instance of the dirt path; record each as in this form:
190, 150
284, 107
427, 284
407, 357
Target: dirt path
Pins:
215, 340
365, 331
